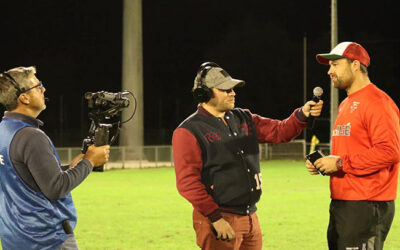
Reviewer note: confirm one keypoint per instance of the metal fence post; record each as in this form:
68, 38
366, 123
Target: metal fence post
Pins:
69, 155
156, 156
140, 155
123, 156
171, 156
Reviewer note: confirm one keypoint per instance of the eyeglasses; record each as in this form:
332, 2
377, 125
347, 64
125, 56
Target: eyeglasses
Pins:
228, 91
16, 85
39, 85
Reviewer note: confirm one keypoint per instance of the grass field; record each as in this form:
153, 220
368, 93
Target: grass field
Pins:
141, 209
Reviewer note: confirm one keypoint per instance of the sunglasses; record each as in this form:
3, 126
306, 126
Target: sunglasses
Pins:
228, 91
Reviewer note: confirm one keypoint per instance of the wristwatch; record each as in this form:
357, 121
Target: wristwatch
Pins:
339, 164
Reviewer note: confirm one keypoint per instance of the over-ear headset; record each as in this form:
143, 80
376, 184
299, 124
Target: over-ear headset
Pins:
14, 83
202, 93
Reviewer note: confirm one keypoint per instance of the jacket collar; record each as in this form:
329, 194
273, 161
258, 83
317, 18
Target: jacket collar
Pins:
25, 118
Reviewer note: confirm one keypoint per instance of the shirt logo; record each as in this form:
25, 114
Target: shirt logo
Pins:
212, 136
2, 160
354, 106
342, 130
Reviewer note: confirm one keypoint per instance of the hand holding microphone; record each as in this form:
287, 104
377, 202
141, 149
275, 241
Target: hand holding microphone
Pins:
312, 110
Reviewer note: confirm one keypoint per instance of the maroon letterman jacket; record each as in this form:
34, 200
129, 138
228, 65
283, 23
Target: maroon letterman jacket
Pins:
217, 165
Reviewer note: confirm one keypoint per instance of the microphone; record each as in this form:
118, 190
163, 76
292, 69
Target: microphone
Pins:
46, 100
317, 93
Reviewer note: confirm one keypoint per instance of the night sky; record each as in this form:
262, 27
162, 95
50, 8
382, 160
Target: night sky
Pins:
77, 47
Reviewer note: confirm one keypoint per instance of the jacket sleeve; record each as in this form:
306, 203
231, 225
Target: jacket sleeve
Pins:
32, 148
188, 166
276, 131
382, 122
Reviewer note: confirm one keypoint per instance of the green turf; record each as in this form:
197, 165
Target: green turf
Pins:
141, 209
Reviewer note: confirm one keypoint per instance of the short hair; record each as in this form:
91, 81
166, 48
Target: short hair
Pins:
363, 68
8, 92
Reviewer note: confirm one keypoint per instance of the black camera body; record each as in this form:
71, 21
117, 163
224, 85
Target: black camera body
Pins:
105, 109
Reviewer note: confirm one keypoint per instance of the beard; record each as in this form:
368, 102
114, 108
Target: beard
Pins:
339, 83
343, 82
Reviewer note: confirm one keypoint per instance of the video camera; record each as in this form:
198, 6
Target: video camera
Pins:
105, 109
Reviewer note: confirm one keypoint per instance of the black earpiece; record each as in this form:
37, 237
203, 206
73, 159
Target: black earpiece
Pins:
202, 93
14, 83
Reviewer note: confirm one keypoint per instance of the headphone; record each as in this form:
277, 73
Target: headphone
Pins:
14, 83
202, 93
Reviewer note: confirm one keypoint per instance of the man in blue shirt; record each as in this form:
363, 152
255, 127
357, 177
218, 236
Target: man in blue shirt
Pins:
36, 207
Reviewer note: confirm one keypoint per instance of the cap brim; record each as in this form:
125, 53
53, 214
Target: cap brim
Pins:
325, 58
230, 84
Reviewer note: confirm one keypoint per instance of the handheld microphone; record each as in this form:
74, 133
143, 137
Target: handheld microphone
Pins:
317, 93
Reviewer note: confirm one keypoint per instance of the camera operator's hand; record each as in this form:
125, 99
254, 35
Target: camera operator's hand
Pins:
98, 155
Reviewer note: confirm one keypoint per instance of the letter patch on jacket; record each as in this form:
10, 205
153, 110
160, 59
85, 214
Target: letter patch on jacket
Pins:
212, 136
246, 128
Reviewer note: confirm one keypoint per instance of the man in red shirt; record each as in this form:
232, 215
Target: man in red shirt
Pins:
217, 164
363, 167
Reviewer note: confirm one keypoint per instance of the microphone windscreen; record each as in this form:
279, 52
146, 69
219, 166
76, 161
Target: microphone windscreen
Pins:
318, 91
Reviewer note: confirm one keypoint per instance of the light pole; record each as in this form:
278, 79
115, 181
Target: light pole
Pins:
334, 91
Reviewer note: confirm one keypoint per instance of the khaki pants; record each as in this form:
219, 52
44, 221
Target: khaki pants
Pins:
246, 227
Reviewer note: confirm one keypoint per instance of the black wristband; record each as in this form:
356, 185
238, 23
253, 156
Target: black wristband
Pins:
301, 116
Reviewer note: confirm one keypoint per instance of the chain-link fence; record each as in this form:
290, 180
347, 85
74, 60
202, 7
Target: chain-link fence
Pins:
294, 150
128, 157
161, 155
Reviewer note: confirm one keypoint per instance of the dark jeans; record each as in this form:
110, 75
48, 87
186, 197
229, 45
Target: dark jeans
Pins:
359, 225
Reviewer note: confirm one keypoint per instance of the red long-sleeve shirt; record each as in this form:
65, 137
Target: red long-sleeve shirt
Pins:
367, 138
188, 156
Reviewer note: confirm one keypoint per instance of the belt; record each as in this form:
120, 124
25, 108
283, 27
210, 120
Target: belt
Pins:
242, 210
67, 227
